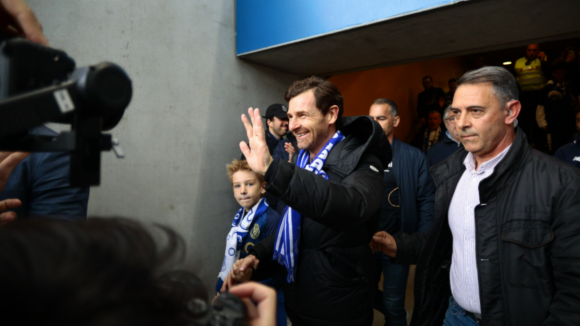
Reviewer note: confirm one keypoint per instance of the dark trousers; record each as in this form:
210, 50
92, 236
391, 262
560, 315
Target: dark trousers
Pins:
391, 300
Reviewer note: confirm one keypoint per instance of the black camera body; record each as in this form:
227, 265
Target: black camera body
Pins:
39, 84
184, 293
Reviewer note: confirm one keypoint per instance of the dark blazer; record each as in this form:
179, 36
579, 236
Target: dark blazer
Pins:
416, 187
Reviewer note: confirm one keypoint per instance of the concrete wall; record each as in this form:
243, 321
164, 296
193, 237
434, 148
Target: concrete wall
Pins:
183, 124
401, 84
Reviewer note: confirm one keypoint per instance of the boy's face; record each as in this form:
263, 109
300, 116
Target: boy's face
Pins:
247, 188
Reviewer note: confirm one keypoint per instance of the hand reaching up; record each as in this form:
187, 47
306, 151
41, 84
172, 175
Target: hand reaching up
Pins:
257, 154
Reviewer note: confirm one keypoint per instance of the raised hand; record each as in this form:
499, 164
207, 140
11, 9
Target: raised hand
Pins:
384, 242
257, 154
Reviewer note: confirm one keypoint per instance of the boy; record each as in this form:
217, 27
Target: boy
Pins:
254, 221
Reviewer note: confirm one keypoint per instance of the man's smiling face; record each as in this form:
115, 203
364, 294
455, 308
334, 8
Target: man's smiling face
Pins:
307, 123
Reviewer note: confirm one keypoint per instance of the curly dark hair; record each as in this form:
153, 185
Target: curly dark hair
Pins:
98, 272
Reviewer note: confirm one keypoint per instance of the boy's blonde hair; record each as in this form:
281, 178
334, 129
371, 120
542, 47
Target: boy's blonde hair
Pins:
241, 165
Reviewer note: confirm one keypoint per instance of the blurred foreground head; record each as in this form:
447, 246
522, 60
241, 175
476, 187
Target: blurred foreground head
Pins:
99, 272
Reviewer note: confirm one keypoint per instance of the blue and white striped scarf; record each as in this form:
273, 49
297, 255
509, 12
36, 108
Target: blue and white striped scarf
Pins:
240, 228
288, 236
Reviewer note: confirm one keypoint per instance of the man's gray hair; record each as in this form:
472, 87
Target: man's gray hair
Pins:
393, 109
504, 83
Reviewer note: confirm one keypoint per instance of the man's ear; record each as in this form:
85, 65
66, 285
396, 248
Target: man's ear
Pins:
512, 111
332, 114
396, 121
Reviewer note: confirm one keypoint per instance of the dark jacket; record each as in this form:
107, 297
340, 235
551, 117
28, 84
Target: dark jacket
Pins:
280, 150
442, 150
334, 280
570, 153
41, 182
417, 191
527, 242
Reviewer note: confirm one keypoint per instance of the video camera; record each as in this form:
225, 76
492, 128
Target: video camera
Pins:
39, 84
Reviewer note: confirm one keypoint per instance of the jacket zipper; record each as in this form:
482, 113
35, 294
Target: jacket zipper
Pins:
478, 261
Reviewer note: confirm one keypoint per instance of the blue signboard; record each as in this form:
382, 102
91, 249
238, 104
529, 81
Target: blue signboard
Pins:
262, 24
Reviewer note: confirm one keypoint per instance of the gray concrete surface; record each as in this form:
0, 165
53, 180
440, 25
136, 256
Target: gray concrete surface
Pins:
183, 124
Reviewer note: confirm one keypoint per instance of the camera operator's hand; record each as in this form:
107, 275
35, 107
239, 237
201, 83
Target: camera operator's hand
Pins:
8, 161
261, 303
384, 242
257, 155
241, 272
16, 17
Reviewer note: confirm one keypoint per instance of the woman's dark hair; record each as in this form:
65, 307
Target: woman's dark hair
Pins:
98, 272
326, 94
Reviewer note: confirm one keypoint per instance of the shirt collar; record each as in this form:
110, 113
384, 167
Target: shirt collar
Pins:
449, 136
470, 161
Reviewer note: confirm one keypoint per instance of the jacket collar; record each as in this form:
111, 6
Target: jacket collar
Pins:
362, 135
515, 159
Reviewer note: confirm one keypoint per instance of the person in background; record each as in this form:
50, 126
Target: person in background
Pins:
254, 221
433, 133
428, 100
452, 83
570, 56
530, 72
555, 111
450, 143
570, 153
407, 207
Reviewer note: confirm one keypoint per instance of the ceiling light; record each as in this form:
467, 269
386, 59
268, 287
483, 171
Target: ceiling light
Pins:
507, 63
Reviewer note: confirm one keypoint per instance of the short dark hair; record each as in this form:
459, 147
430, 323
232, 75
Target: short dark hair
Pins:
393, 109
452, 80
431, 79
503, 82
98, 272
326, 94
